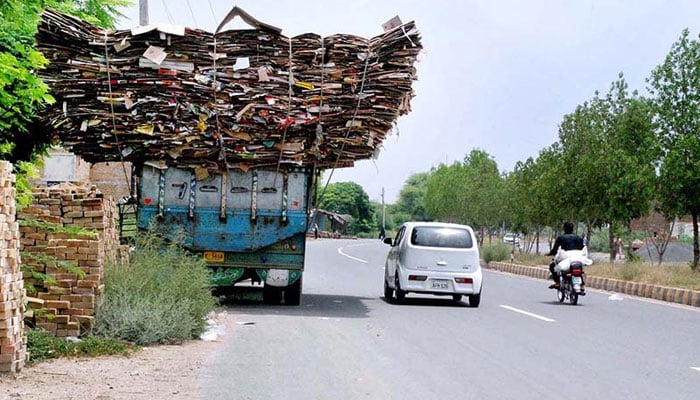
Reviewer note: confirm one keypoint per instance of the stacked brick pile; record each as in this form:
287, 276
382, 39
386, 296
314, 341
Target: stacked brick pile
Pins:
72, 299
12, 347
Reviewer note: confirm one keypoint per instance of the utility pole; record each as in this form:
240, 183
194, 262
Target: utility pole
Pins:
383, 212
143, 12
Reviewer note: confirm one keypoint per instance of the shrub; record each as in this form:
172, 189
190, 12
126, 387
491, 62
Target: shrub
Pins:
495, 252
162, 295
41, 346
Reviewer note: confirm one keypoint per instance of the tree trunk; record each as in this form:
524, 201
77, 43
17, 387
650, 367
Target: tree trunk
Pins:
611, 239
696, 249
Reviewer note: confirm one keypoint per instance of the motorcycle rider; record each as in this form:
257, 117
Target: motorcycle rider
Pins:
568, 241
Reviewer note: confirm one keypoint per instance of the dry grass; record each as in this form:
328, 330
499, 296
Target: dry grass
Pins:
671, 275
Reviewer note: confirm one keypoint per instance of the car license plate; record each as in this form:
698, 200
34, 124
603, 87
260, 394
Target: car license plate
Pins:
576, 280
440, 284
214, 256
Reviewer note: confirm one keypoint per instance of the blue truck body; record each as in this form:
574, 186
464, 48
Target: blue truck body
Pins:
247, 225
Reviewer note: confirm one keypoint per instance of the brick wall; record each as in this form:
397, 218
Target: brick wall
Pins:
12, 345
72, 299
111, 178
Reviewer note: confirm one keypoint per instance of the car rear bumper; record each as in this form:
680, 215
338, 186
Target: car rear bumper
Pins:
434, 282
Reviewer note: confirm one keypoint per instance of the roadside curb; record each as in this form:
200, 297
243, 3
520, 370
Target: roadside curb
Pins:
663, 293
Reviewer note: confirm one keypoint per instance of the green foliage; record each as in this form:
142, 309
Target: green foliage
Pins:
103, 13
161, 295
674, 85
22, 93
411, 203
42, 346
72, 231
349, 198
468, 192
495, 252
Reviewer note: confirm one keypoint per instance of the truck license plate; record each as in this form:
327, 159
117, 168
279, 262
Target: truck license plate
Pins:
440, 284
214, 256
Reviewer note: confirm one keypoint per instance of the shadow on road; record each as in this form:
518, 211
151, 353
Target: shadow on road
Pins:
564, 304
312, 305
428, 302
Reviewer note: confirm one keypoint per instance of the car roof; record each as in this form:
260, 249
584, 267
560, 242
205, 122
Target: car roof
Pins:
412, 224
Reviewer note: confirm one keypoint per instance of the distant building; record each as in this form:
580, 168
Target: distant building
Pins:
329, 222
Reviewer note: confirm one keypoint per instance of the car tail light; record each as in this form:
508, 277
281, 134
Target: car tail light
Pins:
417, 277
577, 271
464, 280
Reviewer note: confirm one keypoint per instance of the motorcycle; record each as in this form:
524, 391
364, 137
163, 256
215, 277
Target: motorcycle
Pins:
569, 266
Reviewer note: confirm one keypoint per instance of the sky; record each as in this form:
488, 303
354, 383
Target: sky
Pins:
494, 75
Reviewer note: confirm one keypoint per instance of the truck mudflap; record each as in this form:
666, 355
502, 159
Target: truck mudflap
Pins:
222, 277
281, 284
278, 277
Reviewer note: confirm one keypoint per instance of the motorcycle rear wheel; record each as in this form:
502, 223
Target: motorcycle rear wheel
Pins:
573, 297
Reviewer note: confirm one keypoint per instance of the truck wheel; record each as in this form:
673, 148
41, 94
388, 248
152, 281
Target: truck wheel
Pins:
292, 294
271, 294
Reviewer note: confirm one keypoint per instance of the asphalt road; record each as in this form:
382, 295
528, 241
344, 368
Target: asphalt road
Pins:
346, 342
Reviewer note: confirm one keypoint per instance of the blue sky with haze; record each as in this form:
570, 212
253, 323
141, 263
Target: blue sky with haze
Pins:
497, 75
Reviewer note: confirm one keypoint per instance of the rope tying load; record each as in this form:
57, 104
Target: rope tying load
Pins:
253, 98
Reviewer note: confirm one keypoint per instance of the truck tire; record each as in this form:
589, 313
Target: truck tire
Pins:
272, 295
292, 294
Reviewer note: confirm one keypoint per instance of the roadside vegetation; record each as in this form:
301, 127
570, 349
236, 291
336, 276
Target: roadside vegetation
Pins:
42, 346
676, 275
161, 295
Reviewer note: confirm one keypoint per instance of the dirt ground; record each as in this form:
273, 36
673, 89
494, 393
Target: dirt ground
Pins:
160, 372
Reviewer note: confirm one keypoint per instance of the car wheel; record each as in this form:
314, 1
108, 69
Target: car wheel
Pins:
388, 292
400, 294
474, 300
457, 297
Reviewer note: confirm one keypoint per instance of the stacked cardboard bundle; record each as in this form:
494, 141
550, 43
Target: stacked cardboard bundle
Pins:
12, 349
241, 98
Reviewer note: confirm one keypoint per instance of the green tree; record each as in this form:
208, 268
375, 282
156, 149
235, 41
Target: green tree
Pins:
467, 192
349, 198
411, 203
22, 94
608, 160
675, 85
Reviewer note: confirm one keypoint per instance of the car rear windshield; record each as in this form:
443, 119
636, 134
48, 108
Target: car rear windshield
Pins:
430, 236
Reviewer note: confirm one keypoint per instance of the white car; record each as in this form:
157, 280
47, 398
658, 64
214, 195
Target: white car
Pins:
512, 239
433, 258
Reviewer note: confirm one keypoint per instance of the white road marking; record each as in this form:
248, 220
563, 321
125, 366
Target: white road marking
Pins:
529, 314
695, 368
340, 251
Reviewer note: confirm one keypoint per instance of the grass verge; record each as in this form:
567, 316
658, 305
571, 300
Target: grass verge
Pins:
667, 274
42, 346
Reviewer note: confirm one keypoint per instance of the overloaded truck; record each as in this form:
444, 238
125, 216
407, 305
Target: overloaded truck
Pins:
227, 132
246, 225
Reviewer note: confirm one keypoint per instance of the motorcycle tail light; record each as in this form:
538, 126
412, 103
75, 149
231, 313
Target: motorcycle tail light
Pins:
464, 280
417, 277
577, 272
